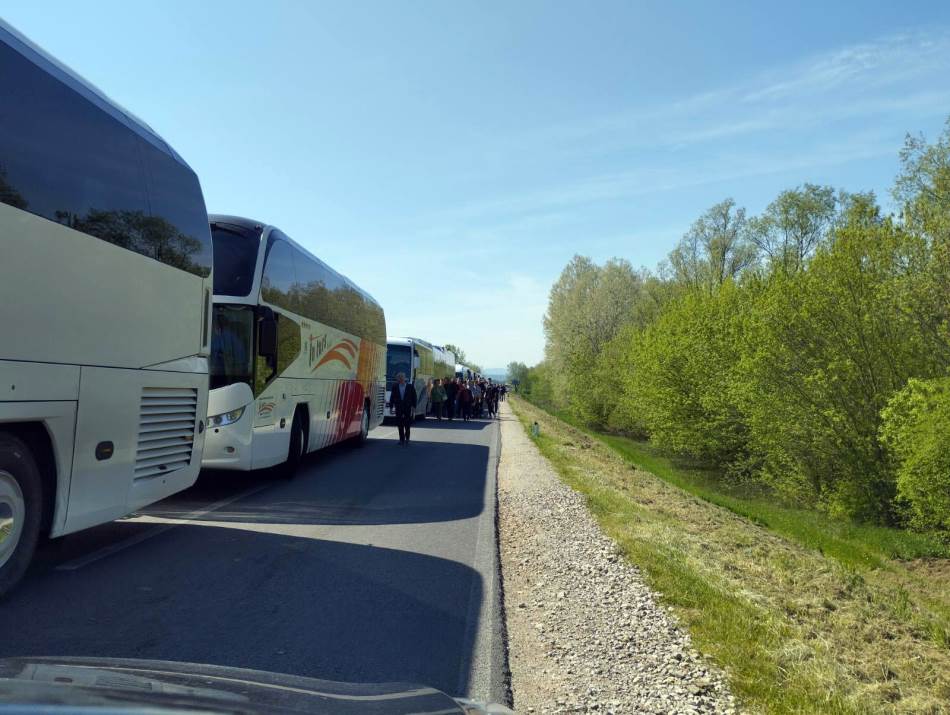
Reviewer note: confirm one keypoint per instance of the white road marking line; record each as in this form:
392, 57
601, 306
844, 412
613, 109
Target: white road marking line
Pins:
115, 548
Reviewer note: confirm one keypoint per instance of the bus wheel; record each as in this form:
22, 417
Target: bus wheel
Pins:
21, 509
361, 438
295, 451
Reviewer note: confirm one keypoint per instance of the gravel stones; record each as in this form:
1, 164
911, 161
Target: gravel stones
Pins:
585, 633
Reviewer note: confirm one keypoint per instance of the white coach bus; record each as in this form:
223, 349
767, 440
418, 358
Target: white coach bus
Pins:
297, 352
105, 278
447, 358
421, 362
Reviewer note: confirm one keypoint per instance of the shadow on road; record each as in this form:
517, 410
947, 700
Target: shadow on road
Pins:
457, 423
232, 596
382, 483
472, 424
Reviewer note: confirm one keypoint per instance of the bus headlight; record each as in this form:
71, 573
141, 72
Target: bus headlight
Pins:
226, 418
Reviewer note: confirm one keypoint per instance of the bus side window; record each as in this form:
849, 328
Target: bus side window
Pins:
288, 342
84, 166
279, 278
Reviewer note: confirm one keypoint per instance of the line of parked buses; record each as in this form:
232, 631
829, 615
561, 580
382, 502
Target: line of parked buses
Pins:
142, 338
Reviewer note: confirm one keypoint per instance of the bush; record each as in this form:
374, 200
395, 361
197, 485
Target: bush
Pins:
684, 374
780, 367
612, 370
828, 348
916, 431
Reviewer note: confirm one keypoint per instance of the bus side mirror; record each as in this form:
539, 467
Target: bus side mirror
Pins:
267, 337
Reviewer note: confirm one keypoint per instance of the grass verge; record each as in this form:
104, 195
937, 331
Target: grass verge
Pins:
802, 619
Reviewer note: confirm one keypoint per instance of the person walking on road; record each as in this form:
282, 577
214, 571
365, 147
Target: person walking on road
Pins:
491, 400
451, 389
438, 398
464, 398
402, 402
476, 391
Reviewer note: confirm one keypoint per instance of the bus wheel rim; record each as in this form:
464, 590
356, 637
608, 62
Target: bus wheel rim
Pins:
12, 514
365, 424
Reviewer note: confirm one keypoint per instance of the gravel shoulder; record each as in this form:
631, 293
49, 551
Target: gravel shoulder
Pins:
585, 633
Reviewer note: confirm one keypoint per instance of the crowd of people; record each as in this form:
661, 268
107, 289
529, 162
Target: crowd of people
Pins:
453, 398
449, 398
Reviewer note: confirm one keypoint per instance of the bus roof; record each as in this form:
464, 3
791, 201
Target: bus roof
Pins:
408, 341
249, 224
53, 67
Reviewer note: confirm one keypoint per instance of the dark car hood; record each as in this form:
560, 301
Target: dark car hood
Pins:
109, 684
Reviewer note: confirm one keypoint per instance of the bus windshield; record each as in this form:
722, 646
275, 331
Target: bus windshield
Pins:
232, 354
398, 360
235, 259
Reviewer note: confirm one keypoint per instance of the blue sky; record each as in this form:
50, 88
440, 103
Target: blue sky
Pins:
451, 157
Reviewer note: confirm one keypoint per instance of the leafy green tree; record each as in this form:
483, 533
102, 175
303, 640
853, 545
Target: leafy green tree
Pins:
923, 186
821, 373
539, 386
460, 357
794, 225
517, 372
684, 372
915, 429
716, 248
587, 306
827, 347
923, 190
614, 407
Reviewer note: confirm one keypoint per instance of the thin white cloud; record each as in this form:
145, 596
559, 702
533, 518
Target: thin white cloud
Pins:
832, 86
828, 110
883, 84
723, 167
885, 62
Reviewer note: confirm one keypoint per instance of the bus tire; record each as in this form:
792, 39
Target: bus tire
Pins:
21, 509
296, 448
361, 439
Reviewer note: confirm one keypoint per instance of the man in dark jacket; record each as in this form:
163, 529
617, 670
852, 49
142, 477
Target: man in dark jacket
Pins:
402, 402
451, 388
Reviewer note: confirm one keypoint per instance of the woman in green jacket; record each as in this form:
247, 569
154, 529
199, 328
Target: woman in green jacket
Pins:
438, 398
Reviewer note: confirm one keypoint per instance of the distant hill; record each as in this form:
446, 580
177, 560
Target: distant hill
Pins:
496, 373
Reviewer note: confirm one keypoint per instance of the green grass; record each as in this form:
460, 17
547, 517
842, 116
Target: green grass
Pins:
859, 546
856, 545
805, 614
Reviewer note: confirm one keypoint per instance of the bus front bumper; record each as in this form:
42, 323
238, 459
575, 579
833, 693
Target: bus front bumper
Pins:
229, 446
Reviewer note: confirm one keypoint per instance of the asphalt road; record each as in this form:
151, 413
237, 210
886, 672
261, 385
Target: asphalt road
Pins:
374, 564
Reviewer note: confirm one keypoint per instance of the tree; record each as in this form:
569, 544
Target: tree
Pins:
923, 190
823, 379
715, 249
794, 225
517, 372
923, 186
461, 358
459, 353
537, 386
915, 426
8, 194
684, 371
587, 306
827, 348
